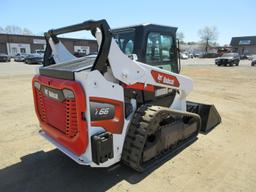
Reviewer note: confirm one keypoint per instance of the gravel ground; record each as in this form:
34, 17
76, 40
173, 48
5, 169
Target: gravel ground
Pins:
223, 160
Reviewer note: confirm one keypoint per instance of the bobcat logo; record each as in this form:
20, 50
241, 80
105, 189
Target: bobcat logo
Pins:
51, 94
165, 80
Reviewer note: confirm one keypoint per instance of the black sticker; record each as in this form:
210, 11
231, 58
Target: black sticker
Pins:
53, 93
101, 111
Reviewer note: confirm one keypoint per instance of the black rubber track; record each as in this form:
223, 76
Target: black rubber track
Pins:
144, 123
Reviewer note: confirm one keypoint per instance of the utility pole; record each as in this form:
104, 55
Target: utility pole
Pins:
8, 44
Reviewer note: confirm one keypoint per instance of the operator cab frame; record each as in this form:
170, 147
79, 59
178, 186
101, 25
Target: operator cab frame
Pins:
153, 44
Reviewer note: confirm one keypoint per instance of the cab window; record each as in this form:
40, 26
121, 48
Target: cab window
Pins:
160, 50
125, 41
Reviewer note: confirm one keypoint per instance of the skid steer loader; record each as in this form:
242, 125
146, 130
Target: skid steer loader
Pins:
127, 103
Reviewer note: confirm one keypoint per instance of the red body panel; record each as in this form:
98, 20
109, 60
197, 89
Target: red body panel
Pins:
63, 121
116, 124
140, 86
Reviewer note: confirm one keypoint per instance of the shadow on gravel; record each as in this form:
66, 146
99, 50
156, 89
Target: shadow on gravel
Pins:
53, 171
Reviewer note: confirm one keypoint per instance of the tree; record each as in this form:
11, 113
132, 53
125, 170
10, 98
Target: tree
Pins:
12, 29
1, 30
208, 35
26, 32
180, 36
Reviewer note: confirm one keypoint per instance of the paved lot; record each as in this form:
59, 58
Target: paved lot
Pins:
223, 160
17, 68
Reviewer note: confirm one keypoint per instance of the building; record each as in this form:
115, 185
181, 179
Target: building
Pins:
13, 44
244, 45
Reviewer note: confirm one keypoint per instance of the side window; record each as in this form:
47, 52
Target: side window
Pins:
125, 41
129, 47
159, 48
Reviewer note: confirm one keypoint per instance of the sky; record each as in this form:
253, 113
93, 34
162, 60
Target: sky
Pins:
231, 18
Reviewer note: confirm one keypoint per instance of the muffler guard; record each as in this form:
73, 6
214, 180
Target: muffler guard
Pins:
210, 117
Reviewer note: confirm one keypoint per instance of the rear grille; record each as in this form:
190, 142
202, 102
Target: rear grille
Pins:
71, 118
65, 114
40, 104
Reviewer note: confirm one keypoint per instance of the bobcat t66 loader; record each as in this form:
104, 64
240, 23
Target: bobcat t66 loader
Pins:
127, 103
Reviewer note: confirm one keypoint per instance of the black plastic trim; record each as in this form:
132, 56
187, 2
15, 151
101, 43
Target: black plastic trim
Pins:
102, 147
102, 57
61, 74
